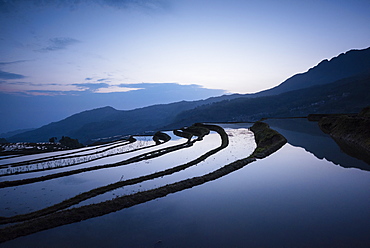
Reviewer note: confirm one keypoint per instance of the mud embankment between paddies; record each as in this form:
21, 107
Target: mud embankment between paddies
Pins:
101, 190
268, 141
144, 156
350, 131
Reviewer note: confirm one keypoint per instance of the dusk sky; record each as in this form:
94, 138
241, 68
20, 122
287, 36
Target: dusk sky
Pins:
151, 47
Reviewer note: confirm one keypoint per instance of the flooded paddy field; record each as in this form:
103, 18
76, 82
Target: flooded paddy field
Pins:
300, 196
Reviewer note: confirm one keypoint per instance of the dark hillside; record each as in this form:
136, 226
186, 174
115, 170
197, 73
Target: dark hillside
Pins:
344, 96
65, 127
340, 85
352, 133
107, 121
349, 64
133, 121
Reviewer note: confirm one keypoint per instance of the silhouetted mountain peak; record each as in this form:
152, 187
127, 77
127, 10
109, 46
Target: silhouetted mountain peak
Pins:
322, 63
348, 64
102, 109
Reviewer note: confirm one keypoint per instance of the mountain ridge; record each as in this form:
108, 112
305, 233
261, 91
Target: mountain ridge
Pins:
107, 121
347, 95
350, 63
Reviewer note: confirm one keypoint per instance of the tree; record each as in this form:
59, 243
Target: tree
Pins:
70, 143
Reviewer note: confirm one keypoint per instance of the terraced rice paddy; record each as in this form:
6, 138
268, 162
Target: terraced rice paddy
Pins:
182, 193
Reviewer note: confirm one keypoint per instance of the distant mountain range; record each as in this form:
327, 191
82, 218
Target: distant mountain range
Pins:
349, 64
347, 95
338, 85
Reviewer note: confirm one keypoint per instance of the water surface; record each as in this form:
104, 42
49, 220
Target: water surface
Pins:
293, 198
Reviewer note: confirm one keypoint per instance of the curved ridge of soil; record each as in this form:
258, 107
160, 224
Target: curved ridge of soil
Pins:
351, 132
101, 190
72, 151
268, 140
74, 164
94, 210
61, 156
158, 136
138, 158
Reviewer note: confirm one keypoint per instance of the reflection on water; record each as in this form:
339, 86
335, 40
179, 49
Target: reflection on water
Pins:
294, 198
305, 134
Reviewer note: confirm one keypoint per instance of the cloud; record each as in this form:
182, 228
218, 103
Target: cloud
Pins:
116, 89
120, 4
13, 62
102, 87
168, 87
173, 91
30, 88
9, 75
146, 92
102, 79
51, 89
91, 86
7, 6
45, 93
59, 43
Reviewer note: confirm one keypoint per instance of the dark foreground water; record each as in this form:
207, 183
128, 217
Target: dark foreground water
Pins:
296, 197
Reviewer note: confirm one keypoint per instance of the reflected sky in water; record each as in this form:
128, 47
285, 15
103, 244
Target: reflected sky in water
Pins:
289, 199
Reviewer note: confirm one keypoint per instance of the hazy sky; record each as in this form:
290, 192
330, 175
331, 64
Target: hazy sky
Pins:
67, 47
234, 45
